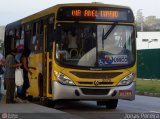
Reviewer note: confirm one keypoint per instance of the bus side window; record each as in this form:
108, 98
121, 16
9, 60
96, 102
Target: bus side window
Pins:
33, 37
9, 40
37, 37
50, 33
40, 35
17, 38
22, 38
27, 36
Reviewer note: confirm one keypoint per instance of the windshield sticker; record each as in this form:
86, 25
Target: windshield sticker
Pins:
114, 59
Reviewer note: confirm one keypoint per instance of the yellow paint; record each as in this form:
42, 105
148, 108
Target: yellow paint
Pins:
35, 60
116, 79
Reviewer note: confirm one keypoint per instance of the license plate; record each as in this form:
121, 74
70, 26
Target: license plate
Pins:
125, 92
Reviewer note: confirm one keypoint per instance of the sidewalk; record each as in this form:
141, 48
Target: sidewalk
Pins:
29, 110
26, 108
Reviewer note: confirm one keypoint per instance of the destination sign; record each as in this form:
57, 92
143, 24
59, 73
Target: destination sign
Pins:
95, 14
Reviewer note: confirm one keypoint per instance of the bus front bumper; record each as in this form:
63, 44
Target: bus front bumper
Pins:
93, 93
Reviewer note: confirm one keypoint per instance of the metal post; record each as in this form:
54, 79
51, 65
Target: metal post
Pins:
142, 25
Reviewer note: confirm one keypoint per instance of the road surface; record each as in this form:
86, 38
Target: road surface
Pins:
89, 109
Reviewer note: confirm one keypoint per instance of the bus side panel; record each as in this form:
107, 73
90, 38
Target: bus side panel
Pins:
35, 60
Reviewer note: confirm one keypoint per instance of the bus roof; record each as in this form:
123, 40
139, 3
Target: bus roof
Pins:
55, 8
92, 4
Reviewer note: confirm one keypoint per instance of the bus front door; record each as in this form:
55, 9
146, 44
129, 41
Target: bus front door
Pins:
45, 85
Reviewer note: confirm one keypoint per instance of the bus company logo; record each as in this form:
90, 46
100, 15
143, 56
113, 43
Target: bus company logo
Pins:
109, 59
96, 83
116, 59
106, 79
4, 116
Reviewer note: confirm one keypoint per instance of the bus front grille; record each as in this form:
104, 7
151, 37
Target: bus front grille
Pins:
95, 91
95, 75
100, 83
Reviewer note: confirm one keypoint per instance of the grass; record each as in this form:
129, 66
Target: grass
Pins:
150, 86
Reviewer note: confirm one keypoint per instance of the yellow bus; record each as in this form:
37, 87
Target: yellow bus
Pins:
82, 51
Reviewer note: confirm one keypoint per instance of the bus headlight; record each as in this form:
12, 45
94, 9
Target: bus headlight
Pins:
63, 79
127, 80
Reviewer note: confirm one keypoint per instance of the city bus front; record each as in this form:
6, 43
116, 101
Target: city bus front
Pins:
95, 56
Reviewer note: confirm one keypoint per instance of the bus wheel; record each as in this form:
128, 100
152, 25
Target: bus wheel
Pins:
30, 98
48, 103
112, 104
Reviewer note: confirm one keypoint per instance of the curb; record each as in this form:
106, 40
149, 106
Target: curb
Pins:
148, 94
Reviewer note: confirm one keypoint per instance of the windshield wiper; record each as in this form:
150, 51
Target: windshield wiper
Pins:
104, 36
109, 31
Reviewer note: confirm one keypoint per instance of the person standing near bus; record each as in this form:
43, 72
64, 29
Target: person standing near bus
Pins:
9, 75
2, 62
24, 60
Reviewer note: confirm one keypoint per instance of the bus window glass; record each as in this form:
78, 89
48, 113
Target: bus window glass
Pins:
116, 49
40, 36
50, 33
92, 45
41, 27
17, 38
37, 37
9, 41
27, 34
77, 44
21, 39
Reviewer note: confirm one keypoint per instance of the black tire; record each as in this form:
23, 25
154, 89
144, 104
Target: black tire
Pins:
51, 103
30, 98
48, 103
112, 104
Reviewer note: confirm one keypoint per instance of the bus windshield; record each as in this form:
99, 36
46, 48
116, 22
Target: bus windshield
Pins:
95, 45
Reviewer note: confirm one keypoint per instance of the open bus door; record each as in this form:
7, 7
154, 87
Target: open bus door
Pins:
45, 81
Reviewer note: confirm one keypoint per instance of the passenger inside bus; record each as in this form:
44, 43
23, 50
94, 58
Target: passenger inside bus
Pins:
75, 43
72, 44
89, 38
69, 45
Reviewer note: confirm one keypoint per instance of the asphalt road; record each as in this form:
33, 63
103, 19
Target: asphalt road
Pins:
89, 109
